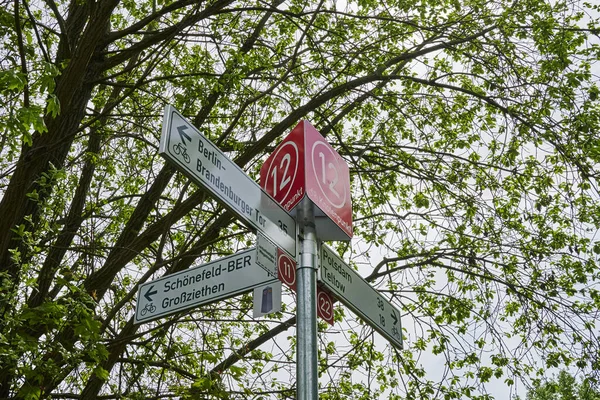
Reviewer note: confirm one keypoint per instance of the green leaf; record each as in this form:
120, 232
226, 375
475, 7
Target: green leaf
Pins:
101, 373
421, 200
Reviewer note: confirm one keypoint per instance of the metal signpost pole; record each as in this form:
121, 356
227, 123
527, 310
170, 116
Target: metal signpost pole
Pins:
306, 366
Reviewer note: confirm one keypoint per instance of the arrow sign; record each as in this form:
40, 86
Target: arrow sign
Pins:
207, 283
181, 129
206, 165
149, 293
358, 295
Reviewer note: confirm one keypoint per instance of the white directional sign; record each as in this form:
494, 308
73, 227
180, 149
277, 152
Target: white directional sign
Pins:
358, 295
204, 284
182, 144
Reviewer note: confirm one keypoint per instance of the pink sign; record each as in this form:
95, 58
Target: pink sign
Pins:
304, 164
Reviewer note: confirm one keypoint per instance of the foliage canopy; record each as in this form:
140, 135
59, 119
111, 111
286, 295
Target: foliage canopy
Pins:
564, 387
470, 129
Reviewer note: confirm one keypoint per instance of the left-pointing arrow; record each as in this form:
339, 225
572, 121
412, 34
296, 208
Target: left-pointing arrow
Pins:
181, 129
149, 293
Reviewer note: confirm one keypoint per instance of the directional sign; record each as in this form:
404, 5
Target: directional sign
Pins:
304, 164
358, 295
182, 144
204, 284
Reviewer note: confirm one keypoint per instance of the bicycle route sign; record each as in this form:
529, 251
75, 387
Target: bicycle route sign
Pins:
358, 295
204, 284
203, 162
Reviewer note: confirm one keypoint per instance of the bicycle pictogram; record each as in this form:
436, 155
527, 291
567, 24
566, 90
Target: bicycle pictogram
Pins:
149, 307
181, 149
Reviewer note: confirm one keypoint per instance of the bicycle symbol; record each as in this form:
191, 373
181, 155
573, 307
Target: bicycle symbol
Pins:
149, 307
181, 149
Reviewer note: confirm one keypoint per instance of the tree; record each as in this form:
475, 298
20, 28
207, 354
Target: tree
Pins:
563, 388
471, 133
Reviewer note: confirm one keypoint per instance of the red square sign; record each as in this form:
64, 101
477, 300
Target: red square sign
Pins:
304, 164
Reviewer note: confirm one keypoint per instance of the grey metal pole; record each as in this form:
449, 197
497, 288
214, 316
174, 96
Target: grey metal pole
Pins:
306, 333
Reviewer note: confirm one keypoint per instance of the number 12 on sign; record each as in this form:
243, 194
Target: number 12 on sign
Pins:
305, 165
286, 178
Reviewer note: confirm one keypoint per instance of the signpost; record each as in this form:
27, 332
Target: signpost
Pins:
217, 280
182, 144
307, 178
305, 165
358, 295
